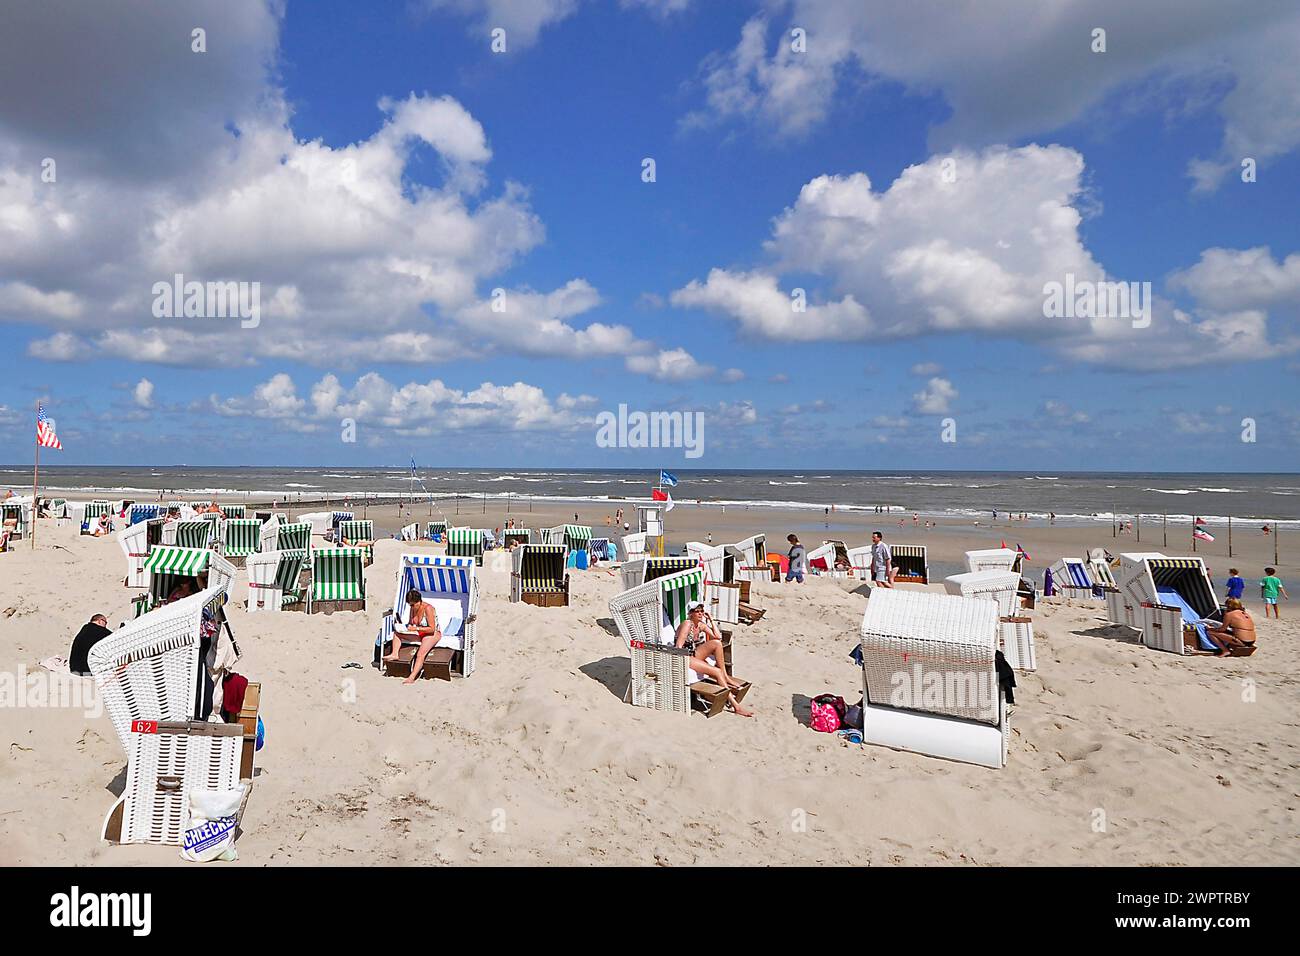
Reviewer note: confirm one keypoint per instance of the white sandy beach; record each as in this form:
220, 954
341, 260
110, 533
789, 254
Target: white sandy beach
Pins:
536, 760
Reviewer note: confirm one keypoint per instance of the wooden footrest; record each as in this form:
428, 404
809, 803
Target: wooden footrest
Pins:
436, 665
712, 698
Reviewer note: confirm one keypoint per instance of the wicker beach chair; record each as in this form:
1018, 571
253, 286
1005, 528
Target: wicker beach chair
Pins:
647, 616
240, 537
1169, 597
538, 575
634, 546
435, 530
910, 563
1015, 628
166, 566
338, 580
194, 534
465, 543
410, 532
234, 511
276, 580
357, 534
929, 677
286, 536
450, 585
753, 565
518, 535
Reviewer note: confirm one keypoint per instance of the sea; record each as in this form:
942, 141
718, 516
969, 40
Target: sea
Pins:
1073, 497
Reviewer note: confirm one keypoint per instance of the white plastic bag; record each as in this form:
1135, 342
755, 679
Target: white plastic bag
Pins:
210, 830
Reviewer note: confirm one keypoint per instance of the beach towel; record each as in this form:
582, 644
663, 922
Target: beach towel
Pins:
1174, 599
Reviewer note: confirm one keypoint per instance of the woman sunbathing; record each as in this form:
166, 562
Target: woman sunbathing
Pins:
421, 620
1238, 629
701, 637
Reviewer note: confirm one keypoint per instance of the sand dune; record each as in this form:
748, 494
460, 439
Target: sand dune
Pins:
535, 759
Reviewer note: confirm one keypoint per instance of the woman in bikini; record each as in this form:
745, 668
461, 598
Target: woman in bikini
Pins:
1238, 629
701, 637
422, 620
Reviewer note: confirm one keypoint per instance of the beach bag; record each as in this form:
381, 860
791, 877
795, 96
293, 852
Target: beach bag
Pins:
835, 702
824, 719
210, 831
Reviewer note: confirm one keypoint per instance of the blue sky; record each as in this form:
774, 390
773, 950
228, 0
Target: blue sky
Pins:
379, 171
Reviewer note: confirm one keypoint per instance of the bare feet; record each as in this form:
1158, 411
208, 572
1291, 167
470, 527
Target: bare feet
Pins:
737, 708
410, 680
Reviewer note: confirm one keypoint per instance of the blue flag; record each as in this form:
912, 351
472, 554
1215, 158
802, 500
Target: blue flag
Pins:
667, 479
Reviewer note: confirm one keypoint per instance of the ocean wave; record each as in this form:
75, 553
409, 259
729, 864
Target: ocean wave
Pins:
1171, 491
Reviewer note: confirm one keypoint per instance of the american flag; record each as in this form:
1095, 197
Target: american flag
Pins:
45, 436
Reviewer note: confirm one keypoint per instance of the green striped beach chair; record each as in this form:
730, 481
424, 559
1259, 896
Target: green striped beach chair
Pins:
465, 543
577, 537
358, 533
435, 529
240, 537
519, 535
338, 580
646, 569
166, 566
291, 536
276, 581
94, 510
18, 514
194, 534
234, 511
648, 616
537, 576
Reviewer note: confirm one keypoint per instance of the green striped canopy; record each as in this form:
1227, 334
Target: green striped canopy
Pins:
193, 534
577, 536
354, 532
435, 527
169, 560
679, 591
338, 574
243, 536
287, 573
295, 536
97, 508
234, 511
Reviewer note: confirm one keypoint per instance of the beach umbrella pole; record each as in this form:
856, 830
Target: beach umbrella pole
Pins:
36, 477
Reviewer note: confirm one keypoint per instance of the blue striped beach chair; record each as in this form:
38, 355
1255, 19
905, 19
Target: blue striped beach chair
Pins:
338, 580
450, 585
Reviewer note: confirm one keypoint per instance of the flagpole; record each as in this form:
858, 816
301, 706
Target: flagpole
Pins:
36, 478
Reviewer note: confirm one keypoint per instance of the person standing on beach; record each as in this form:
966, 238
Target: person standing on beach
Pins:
797, 557
1236, 584
1271, 590
881, 561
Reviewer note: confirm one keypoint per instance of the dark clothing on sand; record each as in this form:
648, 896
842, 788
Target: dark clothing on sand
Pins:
87, 637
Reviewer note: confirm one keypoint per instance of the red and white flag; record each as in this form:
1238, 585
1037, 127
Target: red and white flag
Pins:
1200, 521
658, 494
45, 436
1202, 535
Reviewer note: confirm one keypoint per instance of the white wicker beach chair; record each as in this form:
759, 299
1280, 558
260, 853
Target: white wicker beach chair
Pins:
410, 532
1071, 579
276, 581
1169, 597
538, 575
753, 560
647, 616
450, 584
634, 546
993, 559
134, 541
999, 586
436, 529
167, 759
149, 669
929, 677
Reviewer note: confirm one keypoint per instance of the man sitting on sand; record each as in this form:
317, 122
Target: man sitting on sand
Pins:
422, 621
90, 634
701, 637
1238, 629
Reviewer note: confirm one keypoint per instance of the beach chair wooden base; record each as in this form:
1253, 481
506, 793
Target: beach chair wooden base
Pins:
248, 721
744, 591
546, 598
911, 579
437, 666
711, 700
751, 615
329, 607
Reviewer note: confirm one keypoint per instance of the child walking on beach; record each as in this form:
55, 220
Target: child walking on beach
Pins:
1270, 588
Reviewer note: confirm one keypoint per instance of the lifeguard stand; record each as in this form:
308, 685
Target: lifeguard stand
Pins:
650, 519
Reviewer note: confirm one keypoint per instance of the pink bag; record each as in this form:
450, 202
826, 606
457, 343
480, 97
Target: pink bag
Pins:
825, 719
